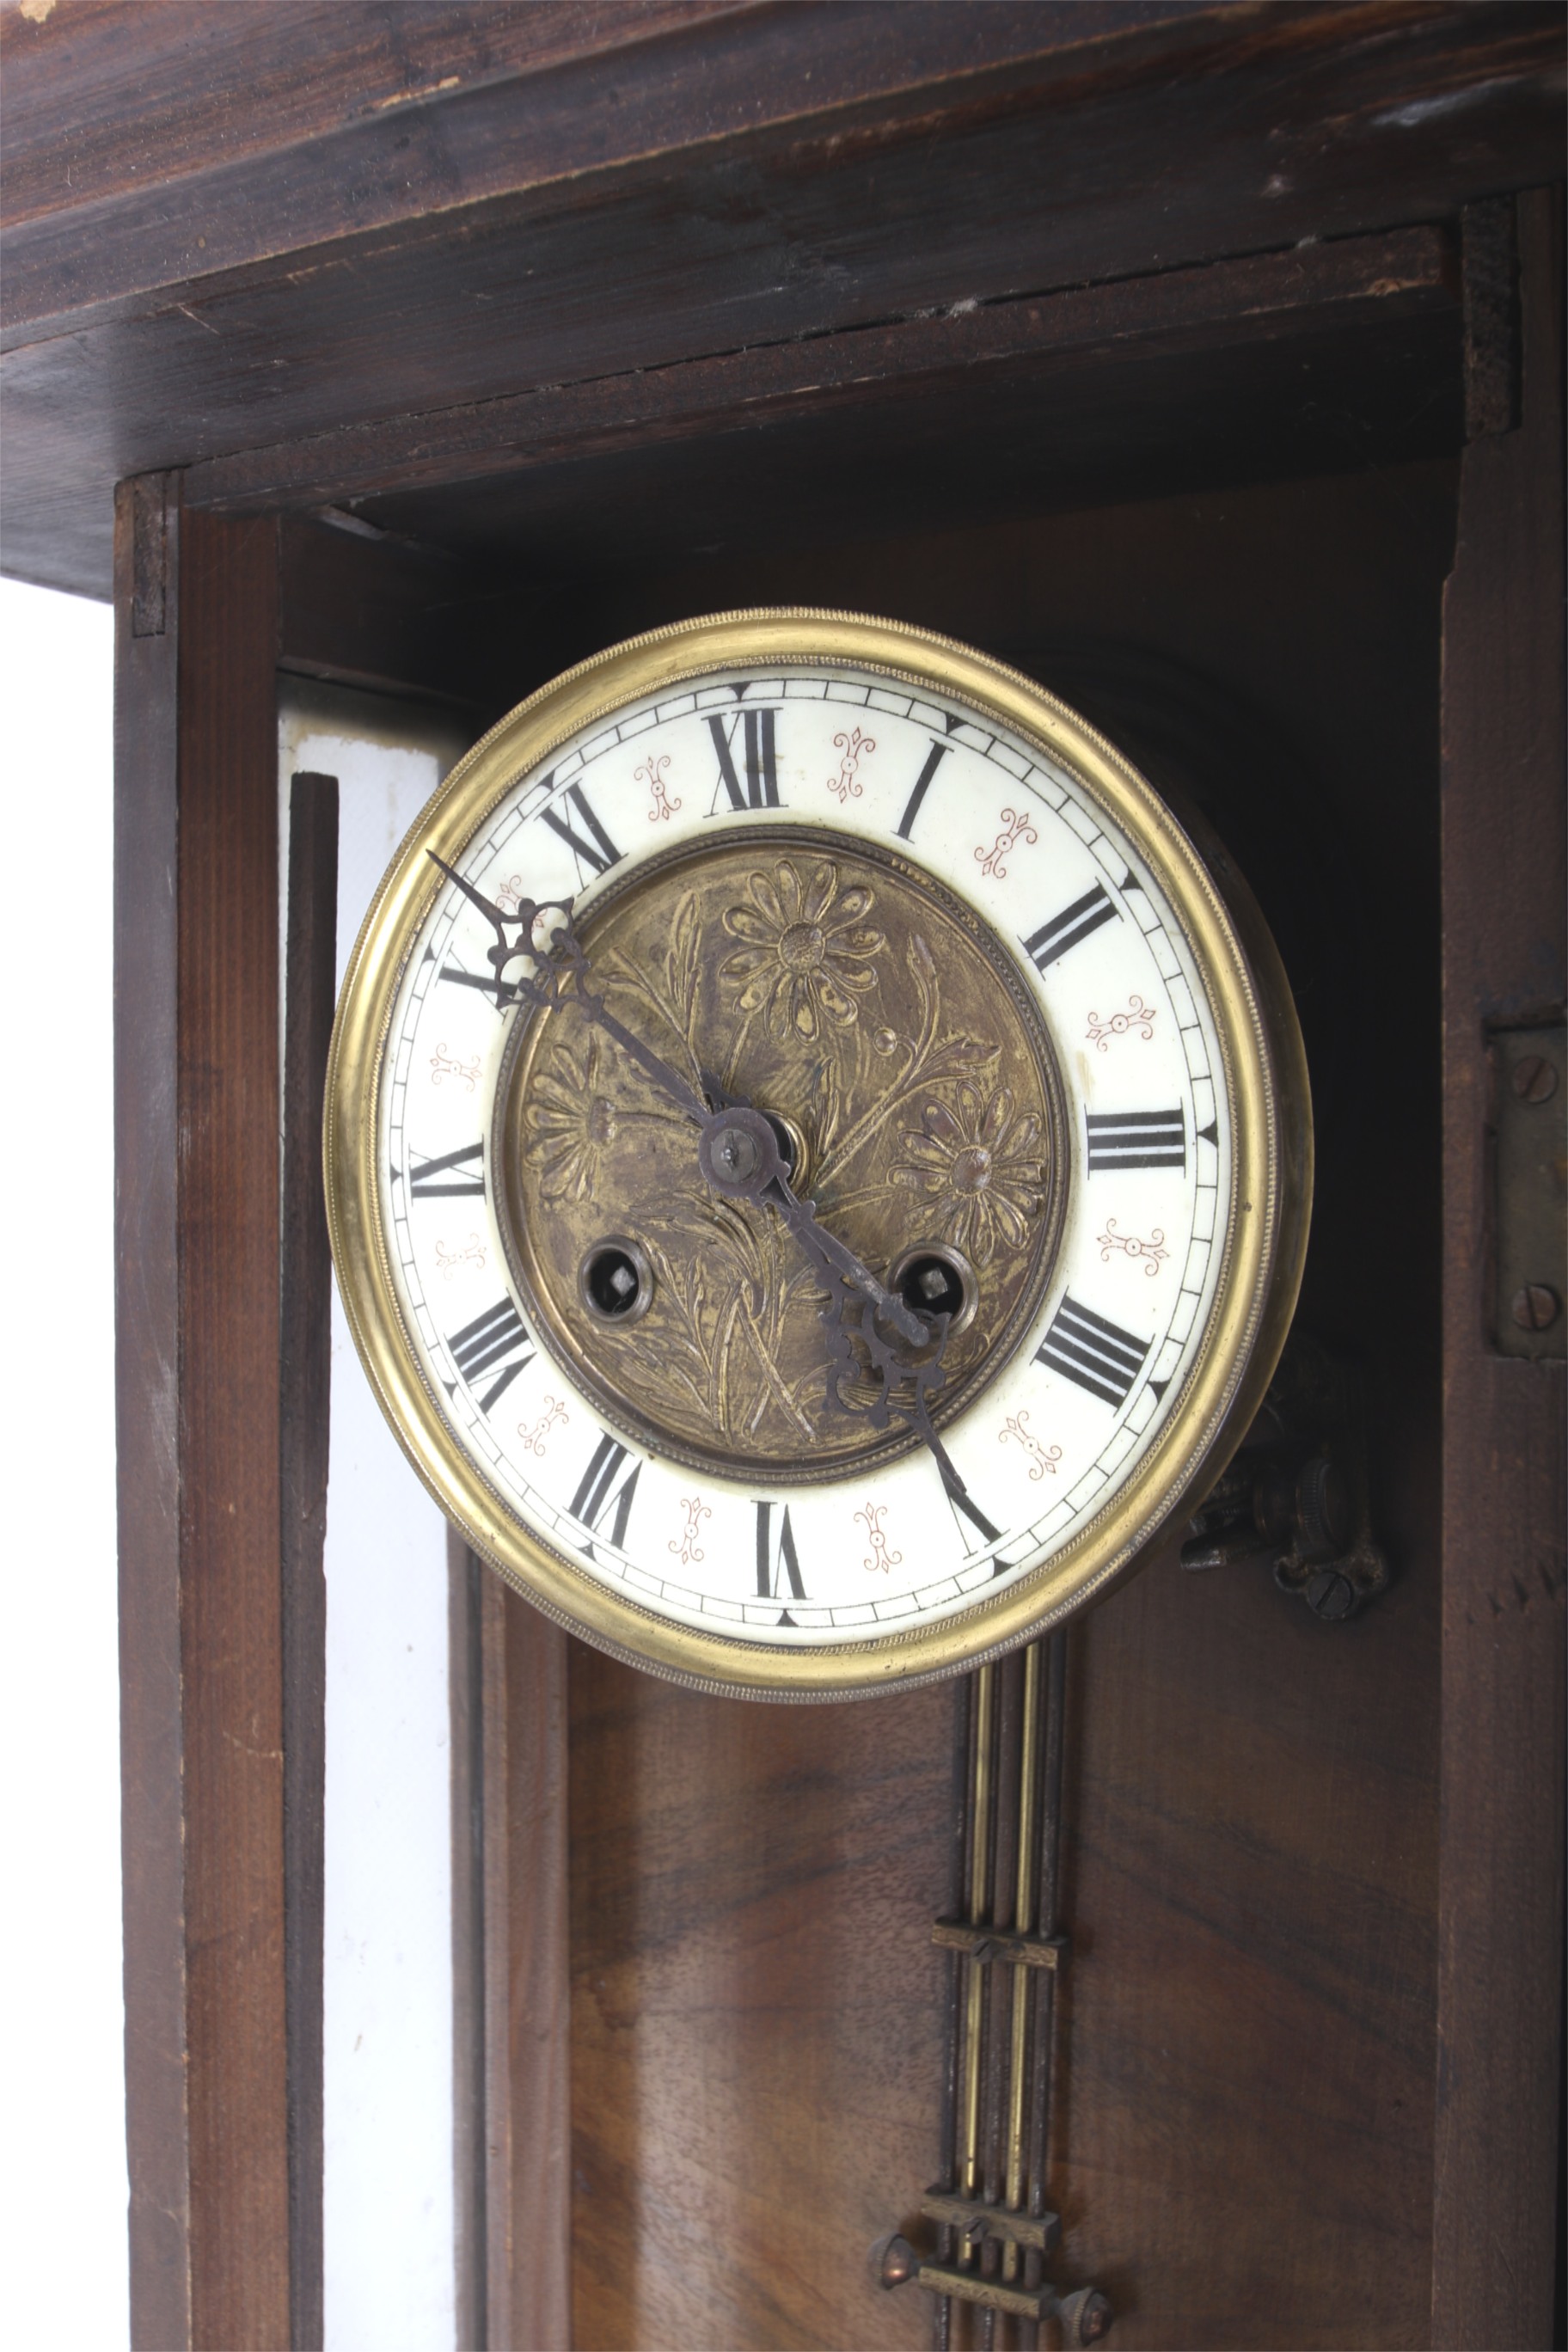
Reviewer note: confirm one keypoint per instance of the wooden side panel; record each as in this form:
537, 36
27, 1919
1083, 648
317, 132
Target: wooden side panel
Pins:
305, 1404
198, 1303
528, 2187
757, 2010
147, 1371
231, 1599
1500, 1960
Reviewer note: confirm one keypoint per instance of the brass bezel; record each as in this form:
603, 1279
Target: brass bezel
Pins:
1267, 1218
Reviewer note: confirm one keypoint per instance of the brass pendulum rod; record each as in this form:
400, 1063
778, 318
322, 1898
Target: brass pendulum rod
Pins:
994, 2229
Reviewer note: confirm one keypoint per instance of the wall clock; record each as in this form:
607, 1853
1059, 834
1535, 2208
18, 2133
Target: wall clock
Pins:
818, 1165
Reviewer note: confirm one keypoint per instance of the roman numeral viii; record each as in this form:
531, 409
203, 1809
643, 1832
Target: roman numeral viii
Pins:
605, 1484
450, 1178
753, 730
1098, 1355
496, 1341
1136, 1139
1064, 931
592, 848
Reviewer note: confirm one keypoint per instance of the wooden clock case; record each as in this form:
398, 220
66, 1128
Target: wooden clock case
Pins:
1205, 362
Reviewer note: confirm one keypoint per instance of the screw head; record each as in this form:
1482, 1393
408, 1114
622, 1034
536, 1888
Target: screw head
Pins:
1534, 1080
1537, 1306
893, 2260
1330, 1596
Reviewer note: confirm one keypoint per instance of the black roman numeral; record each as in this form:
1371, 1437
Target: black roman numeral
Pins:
425, 1181
960, 1501
935, 758
597, 854
1136, 1139
597, 1491
496, 1341
1066, 930
777, 1555
1099, 1356
754, 731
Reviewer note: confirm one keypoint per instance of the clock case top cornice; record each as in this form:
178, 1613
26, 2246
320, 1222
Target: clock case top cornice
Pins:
237, 231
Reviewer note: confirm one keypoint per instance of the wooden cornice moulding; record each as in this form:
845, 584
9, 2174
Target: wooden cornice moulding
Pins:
1307, 291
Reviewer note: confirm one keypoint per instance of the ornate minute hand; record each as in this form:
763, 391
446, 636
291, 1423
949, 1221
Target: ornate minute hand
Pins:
739, 1153
556, 959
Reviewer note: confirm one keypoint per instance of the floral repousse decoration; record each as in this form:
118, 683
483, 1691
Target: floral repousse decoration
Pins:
571, 1124
981, 1165
805, 957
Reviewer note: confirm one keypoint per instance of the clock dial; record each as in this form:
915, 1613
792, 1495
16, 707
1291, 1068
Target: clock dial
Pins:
835, 900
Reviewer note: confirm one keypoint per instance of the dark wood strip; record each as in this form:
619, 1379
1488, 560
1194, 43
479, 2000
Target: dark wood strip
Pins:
228, 1433
529, 1988
1500, 1894
464, 1650
147, 1361
1353, 281
304, 1405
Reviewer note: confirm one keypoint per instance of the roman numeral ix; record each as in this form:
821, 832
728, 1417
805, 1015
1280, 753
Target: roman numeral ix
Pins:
1066, 930
496, 1341
1136, 1139
444, 1180
753, 731
1098, 1355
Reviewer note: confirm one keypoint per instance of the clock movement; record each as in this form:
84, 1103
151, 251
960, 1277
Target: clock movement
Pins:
819, 1171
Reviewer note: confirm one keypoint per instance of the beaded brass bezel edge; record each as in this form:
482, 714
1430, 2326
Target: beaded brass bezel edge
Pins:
1271, 1162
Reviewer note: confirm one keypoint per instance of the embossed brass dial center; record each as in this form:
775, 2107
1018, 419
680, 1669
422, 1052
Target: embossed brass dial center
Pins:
845, 993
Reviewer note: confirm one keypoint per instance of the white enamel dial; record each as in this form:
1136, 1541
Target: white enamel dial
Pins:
1077, 904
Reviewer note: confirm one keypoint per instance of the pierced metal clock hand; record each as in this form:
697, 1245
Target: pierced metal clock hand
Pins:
557, 958
739, 1153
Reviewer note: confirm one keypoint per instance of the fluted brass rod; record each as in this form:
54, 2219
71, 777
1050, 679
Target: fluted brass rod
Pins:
1022, 1921
982, 1721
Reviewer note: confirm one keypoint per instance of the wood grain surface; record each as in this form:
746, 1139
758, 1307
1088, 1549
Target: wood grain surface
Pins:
706, 190
147, 1373
231, 1599
1500, 2085
1244, 2135
305, 1384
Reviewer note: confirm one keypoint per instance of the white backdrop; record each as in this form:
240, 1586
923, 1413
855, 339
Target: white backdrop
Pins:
62, 2070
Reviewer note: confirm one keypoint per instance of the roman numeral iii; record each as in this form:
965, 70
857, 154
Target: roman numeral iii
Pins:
753, 732
1098, 1355
496, 1341
1136, 1139
1064, 931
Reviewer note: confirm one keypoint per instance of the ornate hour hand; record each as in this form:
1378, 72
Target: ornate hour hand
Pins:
739, 1155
